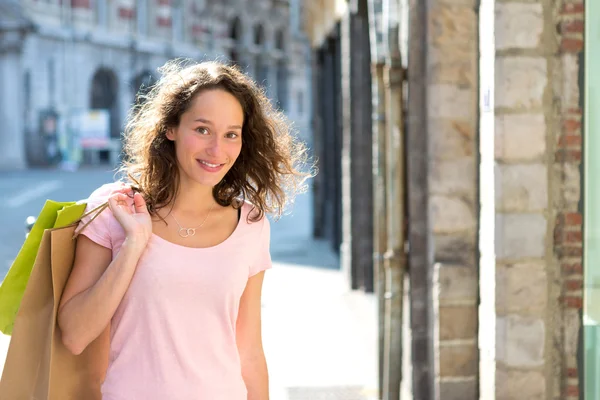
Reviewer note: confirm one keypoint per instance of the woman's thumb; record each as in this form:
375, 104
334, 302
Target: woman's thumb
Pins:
139, 203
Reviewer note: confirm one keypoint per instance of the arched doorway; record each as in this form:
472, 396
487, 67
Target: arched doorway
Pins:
104, 95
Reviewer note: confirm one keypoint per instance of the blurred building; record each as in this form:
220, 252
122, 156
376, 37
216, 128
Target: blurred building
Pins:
63, 58
477, 189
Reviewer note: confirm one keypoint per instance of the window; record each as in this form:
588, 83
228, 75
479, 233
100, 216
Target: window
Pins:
282, 83
279, 41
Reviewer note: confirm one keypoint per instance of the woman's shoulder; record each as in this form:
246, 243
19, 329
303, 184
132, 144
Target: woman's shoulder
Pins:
102, 193
249, 214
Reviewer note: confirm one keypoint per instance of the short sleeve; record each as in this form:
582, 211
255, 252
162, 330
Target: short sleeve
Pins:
263, 259
99, 229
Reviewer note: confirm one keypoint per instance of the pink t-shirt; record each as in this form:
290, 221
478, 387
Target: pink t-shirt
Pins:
173, 335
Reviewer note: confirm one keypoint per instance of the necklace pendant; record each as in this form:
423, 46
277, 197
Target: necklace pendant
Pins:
186, 232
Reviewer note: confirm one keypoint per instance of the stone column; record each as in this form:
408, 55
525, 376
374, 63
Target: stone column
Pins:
452, 96
12, 134
357, 179
523, 121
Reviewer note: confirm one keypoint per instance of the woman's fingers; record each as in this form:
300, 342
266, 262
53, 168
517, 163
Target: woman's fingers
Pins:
118, 202
139, 203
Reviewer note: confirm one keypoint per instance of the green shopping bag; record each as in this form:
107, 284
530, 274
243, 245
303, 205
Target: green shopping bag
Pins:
53, 215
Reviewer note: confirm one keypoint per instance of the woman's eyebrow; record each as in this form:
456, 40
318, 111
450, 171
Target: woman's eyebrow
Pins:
210, 123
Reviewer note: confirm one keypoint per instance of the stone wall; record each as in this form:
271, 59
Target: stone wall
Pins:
537, 180
453, 87
524, 267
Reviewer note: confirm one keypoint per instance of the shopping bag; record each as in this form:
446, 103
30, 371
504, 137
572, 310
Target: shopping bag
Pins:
53, 215
38, 365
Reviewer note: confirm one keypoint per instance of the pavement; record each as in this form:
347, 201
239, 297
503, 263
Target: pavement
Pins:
319, 336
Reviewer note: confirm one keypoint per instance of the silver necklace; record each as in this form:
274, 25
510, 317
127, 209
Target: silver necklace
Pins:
187, 232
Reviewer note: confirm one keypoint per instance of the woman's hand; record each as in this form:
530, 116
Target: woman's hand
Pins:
134, 219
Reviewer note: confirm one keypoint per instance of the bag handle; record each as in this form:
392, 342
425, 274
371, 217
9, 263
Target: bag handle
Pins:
96, 210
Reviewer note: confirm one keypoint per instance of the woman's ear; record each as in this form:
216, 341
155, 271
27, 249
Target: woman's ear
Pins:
170, 134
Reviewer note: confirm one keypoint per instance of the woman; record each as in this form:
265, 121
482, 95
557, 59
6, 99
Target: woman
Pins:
174, 268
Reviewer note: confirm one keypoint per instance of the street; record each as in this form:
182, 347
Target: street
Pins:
319, 337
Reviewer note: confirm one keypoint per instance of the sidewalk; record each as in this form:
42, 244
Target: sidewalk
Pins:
320, 338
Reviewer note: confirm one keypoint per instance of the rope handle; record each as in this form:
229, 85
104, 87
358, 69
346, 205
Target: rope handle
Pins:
98, 210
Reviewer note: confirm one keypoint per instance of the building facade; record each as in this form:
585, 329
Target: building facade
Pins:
95, 55
492, 133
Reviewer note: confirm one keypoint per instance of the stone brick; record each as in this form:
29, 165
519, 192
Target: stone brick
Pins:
459, 249
571, 184
568, 156
520, 341
518, 25
521, 187
450, 65
452, 26
520, 137
512, 385
452, 139
573, 9
458, 390
451, 214
452, 101
458, 360
572, 324
457, 322
454, 178
571, 44
456, 283
570, 80
521, 288
520, 235
452, 34
520, 81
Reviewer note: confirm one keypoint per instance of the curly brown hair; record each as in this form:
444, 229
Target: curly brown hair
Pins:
269, 170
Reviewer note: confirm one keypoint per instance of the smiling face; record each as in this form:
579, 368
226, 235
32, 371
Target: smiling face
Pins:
208, 139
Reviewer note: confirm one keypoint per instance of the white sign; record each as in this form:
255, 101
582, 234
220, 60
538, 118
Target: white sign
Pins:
93, 129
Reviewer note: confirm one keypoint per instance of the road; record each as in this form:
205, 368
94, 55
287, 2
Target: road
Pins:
23, 193
320, 337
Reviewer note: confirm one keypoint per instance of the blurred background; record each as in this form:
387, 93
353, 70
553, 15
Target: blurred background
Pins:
447, 248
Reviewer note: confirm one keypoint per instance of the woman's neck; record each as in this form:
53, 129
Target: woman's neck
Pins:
193, 201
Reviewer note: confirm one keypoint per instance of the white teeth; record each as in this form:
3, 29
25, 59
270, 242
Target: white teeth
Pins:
209, 164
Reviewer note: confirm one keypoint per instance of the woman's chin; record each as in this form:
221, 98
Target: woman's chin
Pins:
210, 181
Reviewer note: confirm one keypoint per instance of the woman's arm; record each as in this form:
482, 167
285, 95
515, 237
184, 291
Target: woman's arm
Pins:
249, 340
94, 291
96, 284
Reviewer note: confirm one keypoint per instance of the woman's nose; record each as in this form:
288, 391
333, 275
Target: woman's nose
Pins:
214, 147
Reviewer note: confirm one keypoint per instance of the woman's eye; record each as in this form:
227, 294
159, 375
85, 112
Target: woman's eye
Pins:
202, 131
232, 135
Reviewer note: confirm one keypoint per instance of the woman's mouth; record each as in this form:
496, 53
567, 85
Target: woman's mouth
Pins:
210, 167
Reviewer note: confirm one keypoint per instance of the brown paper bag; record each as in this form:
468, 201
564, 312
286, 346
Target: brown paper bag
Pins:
38, 366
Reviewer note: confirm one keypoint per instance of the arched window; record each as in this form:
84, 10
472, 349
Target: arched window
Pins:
279, 41
235, 34
259, 35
